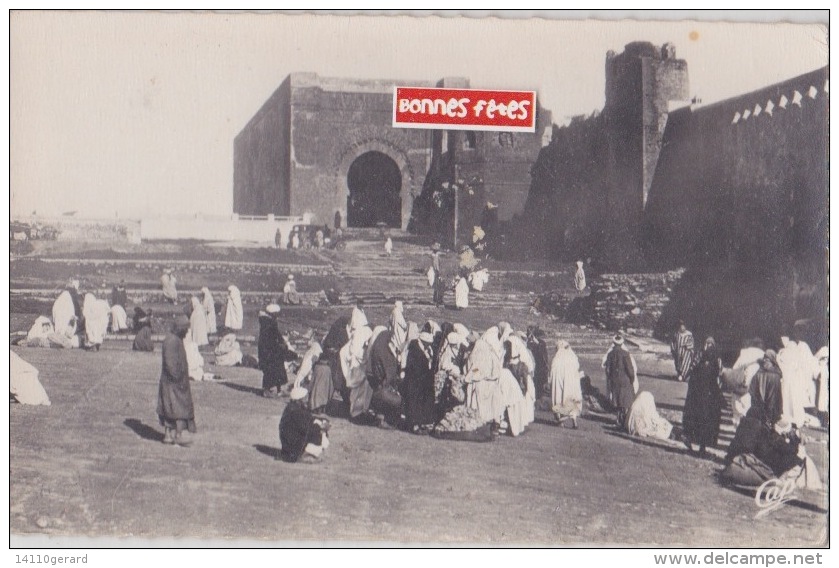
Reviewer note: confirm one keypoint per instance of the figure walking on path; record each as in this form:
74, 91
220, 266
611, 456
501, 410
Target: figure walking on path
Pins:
439, 288
620, 375
174, 401
580, 277
683, 354
704, 400
169, 284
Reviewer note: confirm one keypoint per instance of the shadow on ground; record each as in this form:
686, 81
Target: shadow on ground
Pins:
144, 430
244, 388
269, 451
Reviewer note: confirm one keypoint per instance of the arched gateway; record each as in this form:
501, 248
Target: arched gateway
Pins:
375, 184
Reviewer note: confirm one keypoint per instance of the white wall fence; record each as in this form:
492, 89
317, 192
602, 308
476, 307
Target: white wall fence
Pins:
233, 228
259, 229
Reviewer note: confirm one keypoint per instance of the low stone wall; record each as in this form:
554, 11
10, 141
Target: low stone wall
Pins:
90, 230
631, 302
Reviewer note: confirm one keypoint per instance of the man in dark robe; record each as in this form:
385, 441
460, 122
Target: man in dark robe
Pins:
73, 290
119, 296
439, 286
142, 329
704, 400
776, 449
620, 375
383, 374
539, 349
765, 411
335, 339
273, 352
301, 434
418, 386
765, 390
174, 401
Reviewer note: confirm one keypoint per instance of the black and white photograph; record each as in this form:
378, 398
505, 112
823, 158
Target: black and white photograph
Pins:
432, 280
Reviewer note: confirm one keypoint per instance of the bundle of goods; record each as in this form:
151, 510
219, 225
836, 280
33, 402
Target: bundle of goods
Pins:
463, 424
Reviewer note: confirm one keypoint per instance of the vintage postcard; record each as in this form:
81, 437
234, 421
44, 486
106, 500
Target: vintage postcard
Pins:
318, 279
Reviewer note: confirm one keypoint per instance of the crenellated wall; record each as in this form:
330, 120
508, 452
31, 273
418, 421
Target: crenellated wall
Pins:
735, 192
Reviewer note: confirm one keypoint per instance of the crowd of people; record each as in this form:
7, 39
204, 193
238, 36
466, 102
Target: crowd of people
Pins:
402, 375
771, 393
83, 321
469, 276
421, 377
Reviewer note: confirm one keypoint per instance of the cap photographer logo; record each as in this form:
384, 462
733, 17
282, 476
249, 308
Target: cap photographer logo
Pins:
772, 494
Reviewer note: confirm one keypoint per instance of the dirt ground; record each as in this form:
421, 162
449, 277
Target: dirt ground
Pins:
92, 464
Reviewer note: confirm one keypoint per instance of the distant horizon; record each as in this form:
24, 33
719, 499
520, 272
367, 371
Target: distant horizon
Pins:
134, 114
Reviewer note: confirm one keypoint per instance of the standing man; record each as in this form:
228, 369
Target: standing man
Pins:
273, 352
620, 375
119, 299
168, 282
174, 402
278, 238
439, 290
683, 352
580, 277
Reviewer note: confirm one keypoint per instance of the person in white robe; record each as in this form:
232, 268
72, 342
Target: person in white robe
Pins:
798, 367
198, 323
478, 279
449, 359
24, 383
580, 277
742, 372
64, 315
307, 364
822, 397
169, 284
519, 353
234, 315
195, 361
209, 306
96, 315
353, 356
566, 391
389, 246
461, 294
290, 294
449, 387
513, 400
398, 328
483, 370
228, 351
358, 318
645, 421
119, 319
461, 330
39, 333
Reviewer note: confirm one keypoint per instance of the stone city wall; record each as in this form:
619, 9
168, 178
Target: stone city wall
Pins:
631, 302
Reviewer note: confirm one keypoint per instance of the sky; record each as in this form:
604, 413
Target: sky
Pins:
134, 114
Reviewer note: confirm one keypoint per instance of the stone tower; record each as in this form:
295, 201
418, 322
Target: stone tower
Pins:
641, 82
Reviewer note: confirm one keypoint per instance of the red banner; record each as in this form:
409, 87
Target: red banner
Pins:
464, 109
